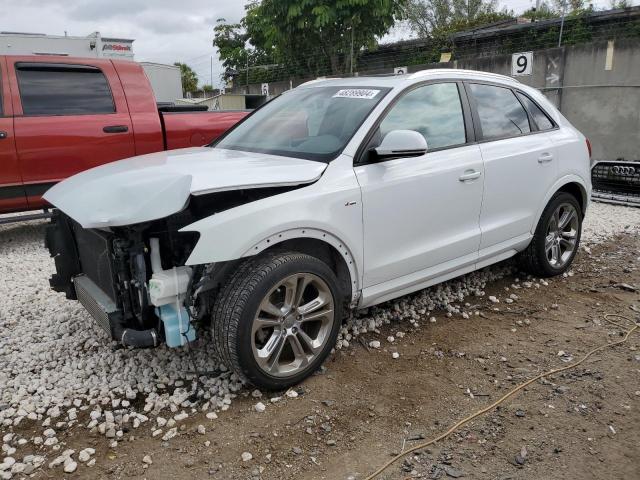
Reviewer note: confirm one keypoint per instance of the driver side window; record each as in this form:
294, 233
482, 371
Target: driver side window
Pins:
432, 110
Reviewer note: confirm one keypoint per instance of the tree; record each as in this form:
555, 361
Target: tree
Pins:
314, 37
544, 12
207, 88
440, 18
188, 77
620, 4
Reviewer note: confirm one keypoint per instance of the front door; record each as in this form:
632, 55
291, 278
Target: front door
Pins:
69, 118
12, 196
421, 214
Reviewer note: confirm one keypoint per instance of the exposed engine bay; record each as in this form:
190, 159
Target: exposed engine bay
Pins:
134, 279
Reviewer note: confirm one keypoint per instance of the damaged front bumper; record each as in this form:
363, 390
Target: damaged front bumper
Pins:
120, 282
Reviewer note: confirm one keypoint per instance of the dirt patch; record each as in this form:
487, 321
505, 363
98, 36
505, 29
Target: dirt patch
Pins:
366, 406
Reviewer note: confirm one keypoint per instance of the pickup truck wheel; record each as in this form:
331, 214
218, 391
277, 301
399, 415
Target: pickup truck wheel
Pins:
556, 239
277, 319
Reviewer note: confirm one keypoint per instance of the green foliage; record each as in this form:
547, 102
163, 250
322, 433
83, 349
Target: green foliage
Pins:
207, 88
310, 37
440, 18
544, 12
188, 77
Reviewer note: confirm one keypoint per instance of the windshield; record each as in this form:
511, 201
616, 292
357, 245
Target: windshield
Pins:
311, 123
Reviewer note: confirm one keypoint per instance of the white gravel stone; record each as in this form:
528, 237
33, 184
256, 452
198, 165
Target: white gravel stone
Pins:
201, 429
395, 355
246, 456
259, 407
70, 466
147, 460
374, 344
52, 361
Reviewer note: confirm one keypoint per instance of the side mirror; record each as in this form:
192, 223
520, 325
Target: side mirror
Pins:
401, 143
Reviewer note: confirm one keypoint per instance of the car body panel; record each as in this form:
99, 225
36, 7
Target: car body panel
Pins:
405, 230
153, 186
332, 205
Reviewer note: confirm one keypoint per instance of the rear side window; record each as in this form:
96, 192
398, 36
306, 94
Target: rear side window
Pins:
501, 114
52, 89
539, 117
434, 111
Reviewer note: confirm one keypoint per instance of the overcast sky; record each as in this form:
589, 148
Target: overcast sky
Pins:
165, 31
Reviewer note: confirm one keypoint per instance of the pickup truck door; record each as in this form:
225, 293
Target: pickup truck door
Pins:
421, 214
12, 197
69, 117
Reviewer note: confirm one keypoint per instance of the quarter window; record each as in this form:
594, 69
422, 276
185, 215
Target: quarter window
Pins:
539, 117
58, 89
501, 114
434, 111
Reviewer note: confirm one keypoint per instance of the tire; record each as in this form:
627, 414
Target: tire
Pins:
538, 258
258, 311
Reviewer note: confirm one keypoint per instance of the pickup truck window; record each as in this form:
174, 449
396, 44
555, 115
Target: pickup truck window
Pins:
501, 114
313, 123
62, 89
434, 111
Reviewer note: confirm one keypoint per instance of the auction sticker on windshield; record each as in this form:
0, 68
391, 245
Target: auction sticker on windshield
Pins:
365, 93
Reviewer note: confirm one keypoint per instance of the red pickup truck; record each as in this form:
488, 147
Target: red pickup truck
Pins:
62, 115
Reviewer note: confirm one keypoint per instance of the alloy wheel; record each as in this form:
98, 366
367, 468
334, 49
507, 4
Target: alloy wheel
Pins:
561, 237
292, 325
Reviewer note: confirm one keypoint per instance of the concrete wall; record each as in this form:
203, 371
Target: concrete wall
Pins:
602, 103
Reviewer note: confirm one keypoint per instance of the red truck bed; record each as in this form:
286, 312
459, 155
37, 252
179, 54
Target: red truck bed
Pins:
62, 115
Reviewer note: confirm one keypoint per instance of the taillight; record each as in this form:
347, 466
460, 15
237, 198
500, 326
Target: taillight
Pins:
589, 147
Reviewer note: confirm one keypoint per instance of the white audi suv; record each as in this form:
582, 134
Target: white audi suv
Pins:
339, 194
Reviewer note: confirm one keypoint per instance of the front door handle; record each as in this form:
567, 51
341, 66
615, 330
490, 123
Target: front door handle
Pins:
545, 158
469, 175
3, 135
115, 129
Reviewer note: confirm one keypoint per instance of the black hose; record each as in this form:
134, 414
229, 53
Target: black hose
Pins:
138, 338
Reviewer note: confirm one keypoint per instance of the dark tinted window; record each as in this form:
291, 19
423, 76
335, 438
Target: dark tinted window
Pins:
500, 112
434, 111
539, 117
63, 90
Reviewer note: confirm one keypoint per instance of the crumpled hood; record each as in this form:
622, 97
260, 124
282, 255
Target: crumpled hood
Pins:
157, 185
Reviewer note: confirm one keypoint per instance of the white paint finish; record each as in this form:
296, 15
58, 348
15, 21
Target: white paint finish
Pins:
518, 173
154, 186
327, 205
402, 224
417, 212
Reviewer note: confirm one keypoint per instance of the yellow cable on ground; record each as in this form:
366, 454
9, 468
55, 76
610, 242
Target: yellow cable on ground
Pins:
511, 393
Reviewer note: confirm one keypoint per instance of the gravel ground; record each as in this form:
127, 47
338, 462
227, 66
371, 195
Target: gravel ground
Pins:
60, 372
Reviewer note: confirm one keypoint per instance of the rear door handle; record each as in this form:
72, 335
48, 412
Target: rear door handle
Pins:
469, 175
115, 129
545, 158
3, 135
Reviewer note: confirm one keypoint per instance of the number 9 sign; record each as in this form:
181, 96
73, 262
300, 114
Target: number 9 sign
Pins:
521, 64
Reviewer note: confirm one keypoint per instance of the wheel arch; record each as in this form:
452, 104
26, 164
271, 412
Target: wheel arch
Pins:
320, 244
571, 184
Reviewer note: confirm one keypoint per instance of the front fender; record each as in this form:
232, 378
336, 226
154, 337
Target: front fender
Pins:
331, 206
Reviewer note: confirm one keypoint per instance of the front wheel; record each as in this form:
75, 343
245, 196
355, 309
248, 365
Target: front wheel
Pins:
556, 239
277, 319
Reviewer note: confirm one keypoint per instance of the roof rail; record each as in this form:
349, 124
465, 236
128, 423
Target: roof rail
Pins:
475, 73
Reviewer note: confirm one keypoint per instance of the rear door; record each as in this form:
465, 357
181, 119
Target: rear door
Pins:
519, 163
69, 116
12, 196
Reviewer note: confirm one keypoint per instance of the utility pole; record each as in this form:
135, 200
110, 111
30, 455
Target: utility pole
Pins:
351, 58
247, 72
564, 7
212, 71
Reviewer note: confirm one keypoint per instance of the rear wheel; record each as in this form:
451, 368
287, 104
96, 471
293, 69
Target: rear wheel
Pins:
556, 239
277, 319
